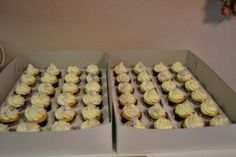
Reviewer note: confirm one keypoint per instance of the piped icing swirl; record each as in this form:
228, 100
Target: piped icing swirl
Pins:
177, 67
49, 78
163, 123
53, 70
209, 108
127, 98
125, 88
192, 85
93, 69
91, 112
164, 76
157, 111
61, 126
130, 111
70, 88
31, 70
219, 121
143, 76
146, 85
176, 96
168, 86
160, 67
16, 101
123, 78
74, 69
40, 100
66, 99
92, 98
138, 68
28, 79
9, 114
199, 95
22, 89
28, 127
193, 121
184, 110
36, 114
46, 88
120, 68
72, 78
93, 86
65, 113
184, 75
92, 77
92, 123
151, 97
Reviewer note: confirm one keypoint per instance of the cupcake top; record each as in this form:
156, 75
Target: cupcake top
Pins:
72, 78
199, 95
28, 79
61, 126
123, 78
139, 68
176, 95
160, 67
125, 88
157, 111
93, 86
92, 123
184, 75
91, 112
163, 123
184, 110
4, 128
209, 108
135, 123
92, 69
151, 97
53, 70
131, 111
146, 85
168, 86
35, 114
40, 100
28, 127
8, 114
74, 70
120, 68
193, 121
49, 78
192, 85
177, 67
66, 99
31, 70
22, 89
92, 98
65, 113
143, 76
164, 76
92, 77
70, 88
219, 121
127, 98
46, 88
16, 101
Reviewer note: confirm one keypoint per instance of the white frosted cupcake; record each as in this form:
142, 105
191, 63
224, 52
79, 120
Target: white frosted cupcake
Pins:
131, 111
16, 101
28, 79
91, 112
72, 78
93, 69
74, 69
191, 85
177, 67
61, 126
209, 108
135, 123
146, 85
156, 111
126, 99
23, 89
36, 114
219, 120
9, 114
143, 76
53, 70
120, 69
70, 88
163, 123
199, 95
31, 70
184, 76
151, 97
176, 96
28, 127
164, 76
139, 68
123, 78
125, 88
49, 78
168, 86
4, 128
46, 88
92, 98
40, 100
92, 123
93, 86
66, 99
158, 68
92, 77
193, 121
65, 113
184, 110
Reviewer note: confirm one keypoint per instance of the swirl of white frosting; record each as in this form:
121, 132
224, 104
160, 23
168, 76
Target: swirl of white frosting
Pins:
28, 127
125, 88
151, 97
193, 121
120, 68
219, 121
192, 85
164, 76
92, 98
184, 110
49, 78
127, 98
40, 100
163, 123
209, 108
146, 85
91, 112
4, 128
31, 70
66, 99
184, 75
61, 126
65, 113
46, 88
22, 89
143, 76
176, 96
177, 67
70, 88
123, 78
74, 69
36, 114
130, 111
53, 70
92, 123
93, 86
168, 86
135, 123
160, 67
8, 114
93, 69
199, 95
28, 79
139, 68
156, 111
92, 77
72, 78
16, 101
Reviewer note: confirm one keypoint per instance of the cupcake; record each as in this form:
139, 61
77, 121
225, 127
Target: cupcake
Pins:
31, 70
139, 68
91, 123
163, 123
16, 101
193, 121
219, 120
72, 78
46, 89
184, 110
93, 86
168, 86
74, 70
156, 111
151, 97
130, 111
146, 85
92, 98
61, 126
135, 123
28, 127
65, 113
176, 96
4, 128
184, 76
164, 76
36, 114
93, 69
158, 68
22, 89
120, 69
91, 112
125, 88
40, 100
92, 77
123, 78
177, 67
70, 88
143, 76
199, 95
127, 99
53, 70
49, 78
9, 114
66, 99
28, 79
191, 85
209, 108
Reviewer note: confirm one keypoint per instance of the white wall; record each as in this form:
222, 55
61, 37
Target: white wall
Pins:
29, 25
